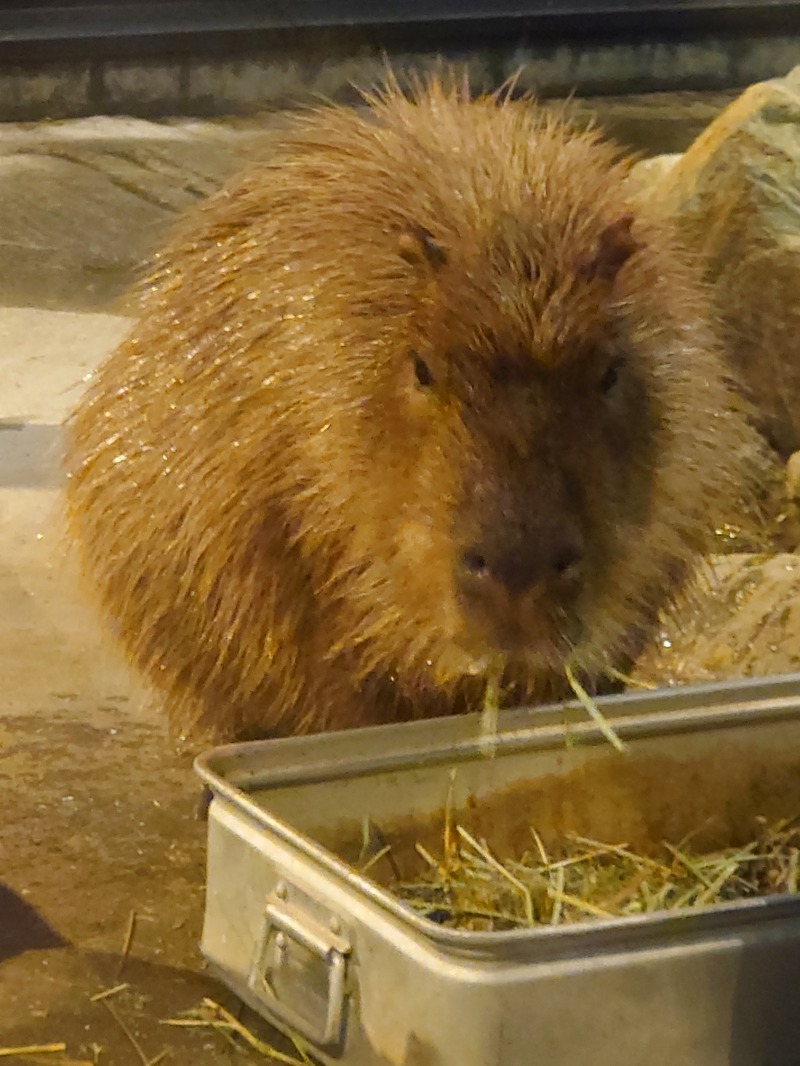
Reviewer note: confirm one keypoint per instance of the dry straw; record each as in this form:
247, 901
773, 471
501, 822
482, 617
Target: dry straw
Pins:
469, 887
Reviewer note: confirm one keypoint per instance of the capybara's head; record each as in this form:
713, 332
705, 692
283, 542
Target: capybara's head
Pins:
423, 395
515, 431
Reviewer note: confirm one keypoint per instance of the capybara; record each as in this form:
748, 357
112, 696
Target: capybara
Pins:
423, 399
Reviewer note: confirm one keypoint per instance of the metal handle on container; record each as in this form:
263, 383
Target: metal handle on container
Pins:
287, 930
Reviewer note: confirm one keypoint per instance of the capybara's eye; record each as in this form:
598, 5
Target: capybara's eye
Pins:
609, 380
422, 372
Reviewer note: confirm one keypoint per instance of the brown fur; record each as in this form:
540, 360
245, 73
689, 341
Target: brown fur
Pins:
273, 506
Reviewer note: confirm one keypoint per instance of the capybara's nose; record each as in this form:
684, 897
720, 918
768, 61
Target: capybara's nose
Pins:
554, 557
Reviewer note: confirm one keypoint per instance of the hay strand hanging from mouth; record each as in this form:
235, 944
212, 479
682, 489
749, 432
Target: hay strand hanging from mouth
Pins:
490, 710
592, 709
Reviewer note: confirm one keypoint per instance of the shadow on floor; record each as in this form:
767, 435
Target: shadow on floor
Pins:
22, 928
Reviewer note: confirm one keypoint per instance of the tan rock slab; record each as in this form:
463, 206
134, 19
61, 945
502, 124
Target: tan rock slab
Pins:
735, 194
742, 620
83, 204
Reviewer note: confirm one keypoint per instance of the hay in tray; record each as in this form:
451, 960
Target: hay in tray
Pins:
468, 887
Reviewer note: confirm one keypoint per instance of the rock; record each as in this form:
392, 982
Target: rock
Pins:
741, 618
654, 123
647, 172
84, 204
735, 194
793, 477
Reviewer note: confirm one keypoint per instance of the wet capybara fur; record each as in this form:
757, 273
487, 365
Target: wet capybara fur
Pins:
421, 399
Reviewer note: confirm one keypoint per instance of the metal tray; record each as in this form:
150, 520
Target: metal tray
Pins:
322, 951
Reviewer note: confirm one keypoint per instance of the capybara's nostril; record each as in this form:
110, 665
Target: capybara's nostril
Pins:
568, 557
473, 562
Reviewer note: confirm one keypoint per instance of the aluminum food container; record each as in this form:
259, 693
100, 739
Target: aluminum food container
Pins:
325, 952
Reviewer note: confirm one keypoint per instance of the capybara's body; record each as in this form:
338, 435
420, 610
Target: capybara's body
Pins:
422, 399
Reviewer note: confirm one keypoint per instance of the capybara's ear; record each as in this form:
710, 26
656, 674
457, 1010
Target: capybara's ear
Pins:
615, 245
417, 245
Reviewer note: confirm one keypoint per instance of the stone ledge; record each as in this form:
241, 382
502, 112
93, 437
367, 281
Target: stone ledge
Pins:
216, 85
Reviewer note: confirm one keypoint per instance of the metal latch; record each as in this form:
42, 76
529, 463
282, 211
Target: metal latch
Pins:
299, 970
